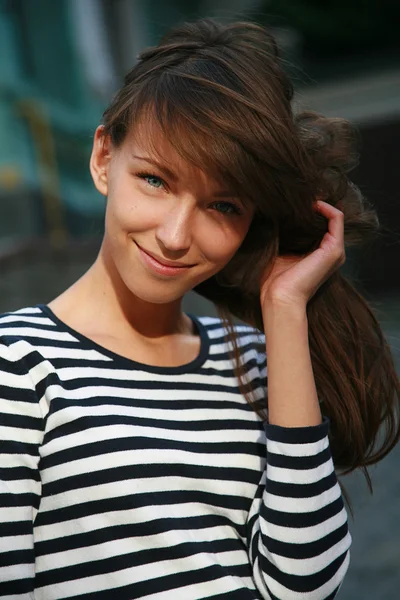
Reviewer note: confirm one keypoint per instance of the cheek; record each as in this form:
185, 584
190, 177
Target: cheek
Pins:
129, 212
220, 245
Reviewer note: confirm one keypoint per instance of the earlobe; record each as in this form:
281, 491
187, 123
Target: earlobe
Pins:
99, 160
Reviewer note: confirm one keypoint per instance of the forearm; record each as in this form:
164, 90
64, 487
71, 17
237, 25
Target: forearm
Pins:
292, 395
299, 539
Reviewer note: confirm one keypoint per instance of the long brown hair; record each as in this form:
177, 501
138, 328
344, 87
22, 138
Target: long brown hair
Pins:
220, 95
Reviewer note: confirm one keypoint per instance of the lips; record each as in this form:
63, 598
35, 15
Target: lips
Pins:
164, 262
162, 267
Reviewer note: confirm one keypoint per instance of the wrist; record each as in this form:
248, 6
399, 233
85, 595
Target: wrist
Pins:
276, 309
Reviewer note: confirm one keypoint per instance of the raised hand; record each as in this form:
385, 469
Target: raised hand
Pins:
293, 280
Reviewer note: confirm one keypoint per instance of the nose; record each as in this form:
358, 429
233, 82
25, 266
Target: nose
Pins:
174, 232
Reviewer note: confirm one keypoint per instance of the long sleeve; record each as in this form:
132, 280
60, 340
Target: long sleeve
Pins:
298, 534
21, 431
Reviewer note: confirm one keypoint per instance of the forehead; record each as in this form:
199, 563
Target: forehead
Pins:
147, 138
176, 148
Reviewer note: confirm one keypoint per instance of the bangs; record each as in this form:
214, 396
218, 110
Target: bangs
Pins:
178, 107
224, 115
207, 114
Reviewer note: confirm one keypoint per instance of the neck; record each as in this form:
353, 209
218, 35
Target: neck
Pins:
101, 298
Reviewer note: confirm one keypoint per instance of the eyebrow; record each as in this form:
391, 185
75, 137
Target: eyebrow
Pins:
162, 168
174, 177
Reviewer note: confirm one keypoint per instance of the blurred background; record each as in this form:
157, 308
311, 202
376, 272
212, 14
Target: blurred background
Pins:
60, 63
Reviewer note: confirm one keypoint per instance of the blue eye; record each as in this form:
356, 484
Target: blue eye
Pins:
152, 180
227, 208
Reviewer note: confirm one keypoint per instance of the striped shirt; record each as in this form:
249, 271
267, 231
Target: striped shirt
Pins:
120, 480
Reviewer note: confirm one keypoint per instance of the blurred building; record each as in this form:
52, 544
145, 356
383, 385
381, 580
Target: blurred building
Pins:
51, 96
60, 63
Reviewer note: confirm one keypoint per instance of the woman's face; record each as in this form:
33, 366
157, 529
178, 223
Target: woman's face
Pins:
168, 225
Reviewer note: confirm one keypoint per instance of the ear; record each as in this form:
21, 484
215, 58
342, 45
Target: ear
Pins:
100, 159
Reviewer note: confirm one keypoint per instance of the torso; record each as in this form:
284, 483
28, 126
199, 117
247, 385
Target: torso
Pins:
148, 473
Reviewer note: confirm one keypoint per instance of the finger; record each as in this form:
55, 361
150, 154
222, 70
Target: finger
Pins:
327, 209
335, 219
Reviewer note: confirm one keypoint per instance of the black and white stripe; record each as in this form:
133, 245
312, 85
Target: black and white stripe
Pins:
121, 480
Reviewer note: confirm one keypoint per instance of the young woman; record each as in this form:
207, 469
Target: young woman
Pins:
141, 455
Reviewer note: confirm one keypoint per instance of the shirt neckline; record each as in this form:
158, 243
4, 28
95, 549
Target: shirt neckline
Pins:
193, 365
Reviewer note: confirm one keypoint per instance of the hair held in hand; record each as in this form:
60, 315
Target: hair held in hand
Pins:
221, 97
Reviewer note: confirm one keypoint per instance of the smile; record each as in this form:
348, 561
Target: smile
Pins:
162, 268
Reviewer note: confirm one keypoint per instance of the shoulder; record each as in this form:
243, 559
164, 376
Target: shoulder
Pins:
250, 341
24, 324
15, 381
23, 317
218, 328
22, 332
20, 407
27, 323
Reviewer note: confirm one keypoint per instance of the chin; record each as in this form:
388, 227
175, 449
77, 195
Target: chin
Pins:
163, 298
162, 291
153, 292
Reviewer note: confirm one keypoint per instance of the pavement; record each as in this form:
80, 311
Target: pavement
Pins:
374, 572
